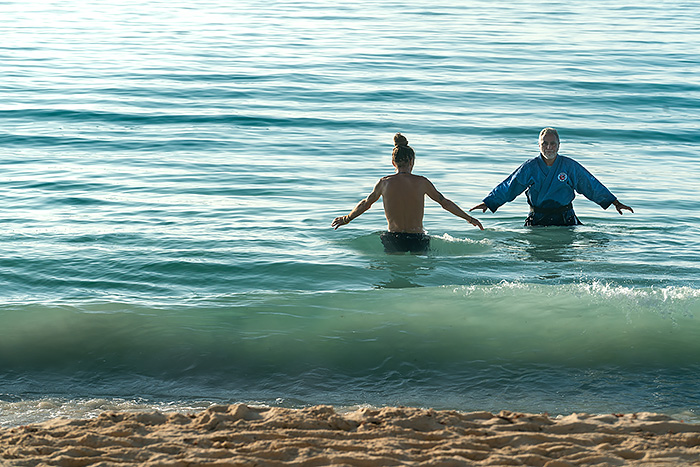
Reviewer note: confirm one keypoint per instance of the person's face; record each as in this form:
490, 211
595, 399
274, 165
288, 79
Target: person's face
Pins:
549, 146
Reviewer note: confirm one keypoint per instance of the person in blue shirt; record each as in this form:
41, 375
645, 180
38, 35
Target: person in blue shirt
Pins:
550, 182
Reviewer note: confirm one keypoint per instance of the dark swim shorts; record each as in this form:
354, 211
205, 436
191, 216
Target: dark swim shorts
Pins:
558, 216
402, 242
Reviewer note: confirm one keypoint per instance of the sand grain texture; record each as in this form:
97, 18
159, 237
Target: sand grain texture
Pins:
239, 435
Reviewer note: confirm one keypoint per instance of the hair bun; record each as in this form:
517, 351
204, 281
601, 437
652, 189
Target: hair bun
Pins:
400, 140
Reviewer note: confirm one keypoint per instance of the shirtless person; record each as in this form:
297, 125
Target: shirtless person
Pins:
403, 195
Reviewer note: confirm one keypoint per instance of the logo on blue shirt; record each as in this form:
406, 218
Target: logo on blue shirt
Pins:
563, 177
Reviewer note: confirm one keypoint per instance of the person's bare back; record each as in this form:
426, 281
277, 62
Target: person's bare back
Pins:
403, 195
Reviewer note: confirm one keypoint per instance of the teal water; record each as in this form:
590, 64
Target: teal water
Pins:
170, 171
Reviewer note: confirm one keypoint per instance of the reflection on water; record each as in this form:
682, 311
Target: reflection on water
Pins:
562, 244
512, 254
553, 252
446, 256
551, 244
559, 244
403, 271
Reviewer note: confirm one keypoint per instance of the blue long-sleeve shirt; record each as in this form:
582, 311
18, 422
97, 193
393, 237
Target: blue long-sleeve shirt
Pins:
549, 187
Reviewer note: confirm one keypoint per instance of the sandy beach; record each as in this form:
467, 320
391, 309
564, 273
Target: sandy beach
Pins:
242, 435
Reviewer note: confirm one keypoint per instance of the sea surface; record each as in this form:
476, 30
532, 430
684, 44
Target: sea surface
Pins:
169, 171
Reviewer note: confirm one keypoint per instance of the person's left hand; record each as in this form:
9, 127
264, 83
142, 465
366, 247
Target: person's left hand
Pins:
620, 207
475, 222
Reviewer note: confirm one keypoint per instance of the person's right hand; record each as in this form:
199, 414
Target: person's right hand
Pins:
481, 206
338, 221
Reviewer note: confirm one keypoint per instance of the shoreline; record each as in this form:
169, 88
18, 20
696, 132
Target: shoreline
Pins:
246, 435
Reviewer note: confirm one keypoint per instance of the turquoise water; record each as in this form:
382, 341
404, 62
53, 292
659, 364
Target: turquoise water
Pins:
170, 171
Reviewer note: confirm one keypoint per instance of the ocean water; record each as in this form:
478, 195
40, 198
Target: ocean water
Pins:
169, 172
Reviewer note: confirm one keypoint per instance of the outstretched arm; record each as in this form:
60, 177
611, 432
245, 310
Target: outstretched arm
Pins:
619, 206
510, 188
361, 207
450, 206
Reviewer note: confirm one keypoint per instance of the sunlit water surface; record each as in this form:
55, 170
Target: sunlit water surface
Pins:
170, 171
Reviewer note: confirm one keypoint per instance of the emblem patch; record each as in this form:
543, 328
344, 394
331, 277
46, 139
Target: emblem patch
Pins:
563, 177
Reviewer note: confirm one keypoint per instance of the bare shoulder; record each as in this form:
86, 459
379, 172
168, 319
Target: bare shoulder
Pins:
430, 190
382, 183
389, 179
413, 178
425, 182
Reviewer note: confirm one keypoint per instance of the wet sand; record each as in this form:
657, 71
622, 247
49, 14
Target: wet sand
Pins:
239, 435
